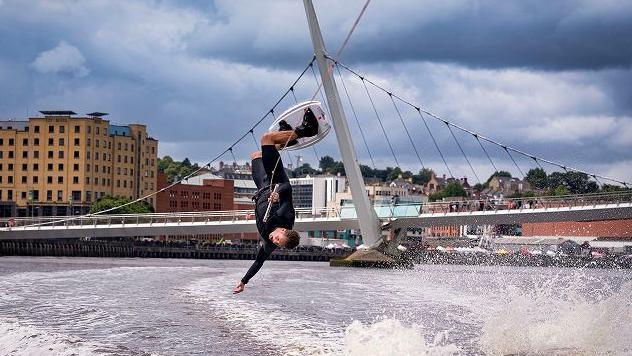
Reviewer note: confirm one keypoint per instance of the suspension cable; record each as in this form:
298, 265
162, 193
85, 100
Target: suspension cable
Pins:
482, 137
380, 121
486, 154
344, 86
406, 129
463, 152
435, 142
514, 162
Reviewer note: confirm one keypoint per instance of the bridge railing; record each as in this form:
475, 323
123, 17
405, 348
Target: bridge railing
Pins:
155, 218
385, 212
394, 211
528, 203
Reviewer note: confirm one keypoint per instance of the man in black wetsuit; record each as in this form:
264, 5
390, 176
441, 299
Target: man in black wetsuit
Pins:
268, 170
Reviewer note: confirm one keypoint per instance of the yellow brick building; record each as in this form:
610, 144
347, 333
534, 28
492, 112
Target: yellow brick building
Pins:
60, 163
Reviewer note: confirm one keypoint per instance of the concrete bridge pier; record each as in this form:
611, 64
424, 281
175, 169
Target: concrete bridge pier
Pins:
383, 254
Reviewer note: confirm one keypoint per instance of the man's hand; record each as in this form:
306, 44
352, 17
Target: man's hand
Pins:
274, 197
240, 288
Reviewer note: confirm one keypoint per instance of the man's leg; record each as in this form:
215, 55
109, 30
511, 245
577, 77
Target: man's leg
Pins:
278, 138
272, 162
259, 175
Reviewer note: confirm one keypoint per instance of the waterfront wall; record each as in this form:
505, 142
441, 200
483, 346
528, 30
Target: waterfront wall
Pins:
76, 248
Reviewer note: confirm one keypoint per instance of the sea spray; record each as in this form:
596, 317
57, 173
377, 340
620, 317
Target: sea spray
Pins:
560, 317
390, 337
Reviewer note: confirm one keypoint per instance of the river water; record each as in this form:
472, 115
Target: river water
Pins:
85, 306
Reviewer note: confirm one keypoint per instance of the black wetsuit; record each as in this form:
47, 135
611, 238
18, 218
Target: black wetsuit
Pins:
281, 213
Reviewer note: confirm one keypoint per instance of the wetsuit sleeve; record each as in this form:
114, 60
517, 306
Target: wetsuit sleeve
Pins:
262, 255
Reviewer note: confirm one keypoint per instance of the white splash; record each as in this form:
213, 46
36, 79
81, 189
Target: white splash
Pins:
542, 321
20, 339
391, 338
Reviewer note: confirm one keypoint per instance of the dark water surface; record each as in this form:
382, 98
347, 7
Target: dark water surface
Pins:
90, 306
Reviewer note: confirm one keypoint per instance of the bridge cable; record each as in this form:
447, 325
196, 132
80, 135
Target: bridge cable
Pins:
435, 142
380, 121
463, 152
482, 137
345, 42
514, 161
486, 153
390, 95
257, 145
355, 115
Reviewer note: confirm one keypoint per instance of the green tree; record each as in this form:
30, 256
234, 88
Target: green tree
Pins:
109, 202
325, 163
498, 174
478, 187
304, 169
537, 178
394, 174
423, 177
560, 190
453, 189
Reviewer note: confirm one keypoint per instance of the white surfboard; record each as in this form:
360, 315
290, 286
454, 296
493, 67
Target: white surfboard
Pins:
294, 117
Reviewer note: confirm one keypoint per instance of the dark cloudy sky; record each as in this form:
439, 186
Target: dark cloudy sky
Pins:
550, 77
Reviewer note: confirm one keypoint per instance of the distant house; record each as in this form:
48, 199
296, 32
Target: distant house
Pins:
508, 186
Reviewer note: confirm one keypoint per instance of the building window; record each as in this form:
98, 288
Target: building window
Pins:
1, 141
125, 159
10, 167
60, 179
75, 167
76, 195
51, 142
96, 168
49, 180
76, 154
49, 167
36, 129
35, 179
96, 142
124, 184
36, 142
61, 154
88, 155
49, 195
25, 167
75, 180
61, 141
96, 156
51, 129
1, 154
25, 154
89, 141
62, 129
76, 142
97, 128
25, 142
36, 154
60, 167
9, 194
24, 180
89, 129
87, 180
217, 206
118, 183
10, 154
50, 154
88, 196
10, 179
87, 168
77, 129
35, 167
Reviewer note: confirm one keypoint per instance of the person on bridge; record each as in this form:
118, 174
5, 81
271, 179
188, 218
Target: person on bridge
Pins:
275, 222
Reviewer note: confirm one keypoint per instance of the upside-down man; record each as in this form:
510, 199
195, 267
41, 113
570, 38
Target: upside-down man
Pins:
268, 171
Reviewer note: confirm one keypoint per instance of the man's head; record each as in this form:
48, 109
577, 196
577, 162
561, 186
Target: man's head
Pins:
283, 237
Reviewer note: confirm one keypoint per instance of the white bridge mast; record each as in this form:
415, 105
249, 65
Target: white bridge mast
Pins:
367, 219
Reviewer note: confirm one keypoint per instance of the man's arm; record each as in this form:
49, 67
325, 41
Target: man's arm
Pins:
262, 255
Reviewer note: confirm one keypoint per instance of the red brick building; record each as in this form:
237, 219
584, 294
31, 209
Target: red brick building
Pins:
200, 194
612, 228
